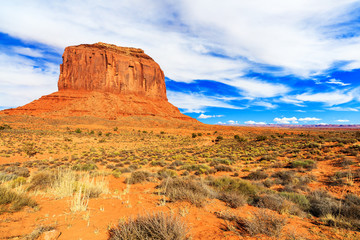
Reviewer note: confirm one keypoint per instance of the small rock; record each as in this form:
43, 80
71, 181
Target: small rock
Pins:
50, 235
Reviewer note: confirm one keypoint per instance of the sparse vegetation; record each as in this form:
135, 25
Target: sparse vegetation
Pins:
156, 226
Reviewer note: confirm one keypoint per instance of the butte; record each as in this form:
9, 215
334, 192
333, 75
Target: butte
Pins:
105, 81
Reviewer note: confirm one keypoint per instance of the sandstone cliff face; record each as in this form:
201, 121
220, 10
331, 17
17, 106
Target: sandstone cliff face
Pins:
108, 68
105, 81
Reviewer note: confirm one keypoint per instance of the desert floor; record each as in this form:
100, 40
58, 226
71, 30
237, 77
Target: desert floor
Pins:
82, 178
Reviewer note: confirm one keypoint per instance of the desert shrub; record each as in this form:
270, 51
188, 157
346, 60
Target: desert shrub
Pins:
160, 163
260, 138
219, 138
78, 130
313, 145
351, 207
200, 168
41, 180
193, 135
5, 127
344, 162
233, 199
4, 177
341, 178
116, 173
181, 189
217, 161
298, 199
30, 149
139, 177
223, 168
228, 184
165, 173
157, 226
274, 202
286, 177
262, 222
177, 163
13, 201
322, 204
85, 167
17, 182
307, 164
18, 171
257, 175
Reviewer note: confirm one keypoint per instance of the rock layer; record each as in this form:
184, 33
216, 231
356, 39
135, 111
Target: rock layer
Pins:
108, 68
105, 81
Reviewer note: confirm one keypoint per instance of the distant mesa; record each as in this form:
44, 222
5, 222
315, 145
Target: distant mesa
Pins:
106, 81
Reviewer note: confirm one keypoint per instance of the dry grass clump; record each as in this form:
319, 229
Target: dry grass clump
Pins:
41, 180
233, 199
157, 226
278, 203
263, 221
139, 177
184, 189
12, 201
66, 182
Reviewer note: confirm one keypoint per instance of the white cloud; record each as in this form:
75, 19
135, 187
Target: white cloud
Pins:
343, 120
286, 120
21, 83
194, 102
343, 109
255, 88
267, 31
289, 100
328, 98
203, 116
28, 52
182, 36
308, 119
265, 104
250, 122
337, 82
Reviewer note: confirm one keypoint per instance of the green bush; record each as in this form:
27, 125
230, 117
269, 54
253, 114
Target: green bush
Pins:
307, 164
228, 184
84, 167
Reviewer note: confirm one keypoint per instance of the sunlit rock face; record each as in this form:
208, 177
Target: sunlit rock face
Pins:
105, 81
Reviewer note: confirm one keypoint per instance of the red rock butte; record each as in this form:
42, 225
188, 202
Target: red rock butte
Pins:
105, 81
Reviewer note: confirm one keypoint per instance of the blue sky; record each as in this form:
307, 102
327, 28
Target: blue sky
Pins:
227, 62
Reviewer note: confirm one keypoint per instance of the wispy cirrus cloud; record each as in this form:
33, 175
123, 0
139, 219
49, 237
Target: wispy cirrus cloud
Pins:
337, 82
328, 98
195, 102
343, 120
343, 109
